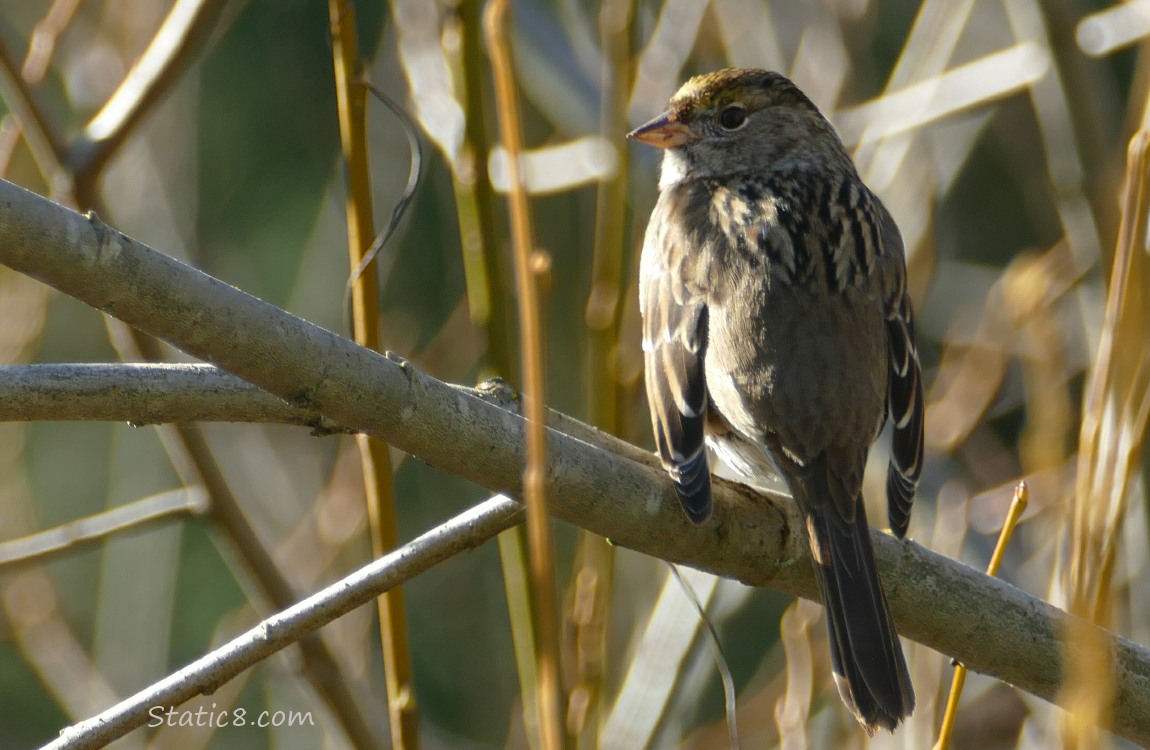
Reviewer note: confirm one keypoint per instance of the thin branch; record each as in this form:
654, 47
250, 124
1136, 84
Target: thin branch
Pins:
266, 585
597, 482
243, 548
46, 33
44, 139
132, 517
203, 676
175, 46
1017, 506
142, 394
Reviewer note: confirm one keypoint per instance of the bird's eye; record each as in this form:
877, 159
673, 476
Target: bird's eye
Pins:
732, 117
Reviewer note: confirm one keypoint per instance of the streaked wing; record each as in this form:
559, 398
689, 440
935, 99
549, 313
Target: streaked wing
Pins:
904, 383
674, 346
904, 403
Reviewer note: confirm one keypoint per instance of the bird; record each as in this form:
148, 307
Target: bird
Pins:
778, 330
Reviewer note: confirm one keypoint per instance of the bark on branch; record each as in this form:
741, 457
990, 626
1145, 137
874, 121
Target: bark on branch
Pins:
597, 483
142, 394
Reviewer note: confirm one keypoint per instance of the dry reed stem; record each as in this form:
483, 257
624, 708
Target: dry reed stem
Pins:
1115, 414
544, 600
72, 172
1017, 507
379, 491
489, 307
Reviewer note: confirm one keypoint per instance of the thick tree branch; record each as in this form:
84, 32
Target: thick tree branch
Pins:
597, 482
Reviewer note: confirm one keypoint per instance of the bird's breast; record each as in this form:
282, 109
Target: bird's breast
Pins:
811, 368
798, 231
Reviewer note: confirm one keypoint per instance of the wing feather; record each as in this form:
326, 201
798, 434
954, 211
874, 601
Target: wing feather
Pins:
904, 402
674, 344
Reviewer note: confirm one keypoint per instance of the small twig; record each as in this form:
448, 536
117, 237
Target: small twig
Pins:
201, 677
175, 46
1017, 508
489, 307
43, 138
44, 37
601, 313
142, 394
75, 536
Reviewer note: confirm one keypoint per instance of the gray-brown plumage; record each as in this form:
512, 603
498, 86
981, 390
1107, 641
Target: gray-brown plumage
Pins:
777, 328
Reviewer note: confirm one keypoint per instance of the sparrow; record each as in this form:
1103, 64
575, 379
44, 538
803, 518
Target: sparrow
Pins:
777, 330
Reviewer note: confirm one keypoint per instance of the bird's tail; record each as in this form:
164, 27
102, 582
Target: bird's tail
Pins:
866, 655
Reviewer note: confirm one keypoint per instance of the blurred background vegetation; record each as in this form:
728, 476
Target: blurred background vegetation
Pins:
995, 131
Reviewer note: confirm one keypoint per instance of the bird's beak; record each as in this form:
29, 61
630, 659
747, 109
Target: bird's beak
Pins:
665, 131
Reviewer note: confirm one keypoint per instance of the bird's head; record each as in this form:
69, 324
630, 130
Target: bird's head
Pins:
738, 120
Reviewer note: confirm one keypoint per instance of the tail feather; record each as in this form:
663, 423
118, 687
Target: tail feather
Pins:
866, 656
